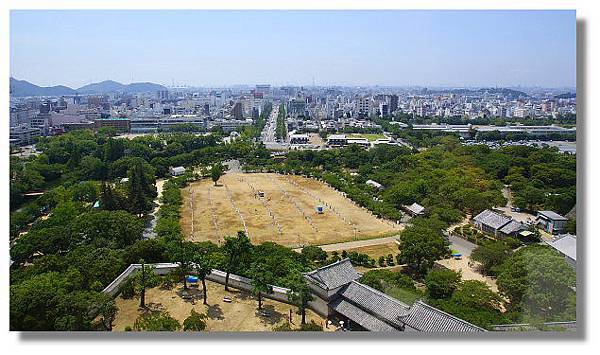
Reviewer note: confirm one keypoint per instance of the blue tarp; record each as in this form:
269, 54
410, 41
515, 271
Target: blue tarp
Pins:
191, 278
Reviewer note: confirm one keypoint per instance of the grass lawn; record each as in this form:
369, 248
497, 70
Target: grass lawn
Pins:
370, 136
406, 296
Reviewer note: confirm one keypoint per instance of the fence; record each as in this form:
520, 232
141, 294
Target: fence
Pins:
235, 281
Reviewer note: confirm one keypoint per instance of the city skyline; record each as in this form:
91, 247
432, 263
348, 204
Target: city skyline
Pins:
323, 48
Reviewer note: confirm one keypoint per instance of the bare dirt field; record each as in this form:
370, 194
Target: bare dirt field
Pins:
239, 315
467, 271
286, 214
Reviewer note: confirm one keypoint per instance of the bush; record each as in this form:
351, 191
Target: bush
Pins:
390, 260
128, 328
283, 327
311, 327
382, 279
195, 322
127, 288
156, 321
381, 261
169, 280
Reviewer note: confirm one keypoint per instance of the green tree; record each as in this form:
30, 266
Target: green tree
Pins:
144, 279
203, 266
491, 255
262, 280
299, 292
196, 322
183, 253
313, 254
235, 248
216, 171
107, 312
141, 188
441, 283
476, 303
420, 247
539, 282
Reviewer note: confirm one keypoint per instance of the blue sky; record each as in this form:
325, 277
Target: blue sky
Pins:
209, 48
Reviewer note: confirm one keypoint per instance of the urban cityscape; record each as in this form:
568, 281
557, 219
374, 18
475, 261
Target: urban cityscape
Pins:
268, 207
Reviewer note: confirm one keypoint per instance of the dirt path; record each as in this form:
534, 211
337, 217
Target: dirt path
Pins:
464, 222
149, 231
507, 195
356, 244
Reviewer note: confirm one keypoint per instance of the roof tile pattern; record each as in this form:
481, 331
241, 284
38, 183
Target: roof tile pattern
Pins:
361, 317
334, 275
492, 219
375, 302
422, 317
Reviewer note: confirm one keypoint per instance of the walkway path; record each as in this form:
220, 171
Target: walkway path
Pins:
356, 244
461, 245
149, 231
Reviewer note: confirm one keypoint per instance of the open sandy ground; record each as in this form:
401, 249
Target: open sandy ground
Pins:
286, 214
468, 272
239, 315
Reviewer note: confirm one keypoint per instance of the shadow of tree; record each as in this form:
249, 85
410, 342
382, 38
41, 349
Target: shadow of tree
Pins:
152, 307
191, 295
269, 315
215, 312
240, 294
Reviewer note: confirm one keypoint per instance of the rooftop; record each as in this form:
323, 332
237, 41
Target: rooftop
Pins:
492, 219
566, 244
415, 208
375, 302
512, 227
552, 215
423, 317
334, 275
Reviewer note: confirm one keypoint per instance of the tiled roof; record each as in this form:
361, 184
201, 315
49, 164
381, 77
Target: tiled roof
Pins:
552, 215
375, 302
361, 317
511, 227
334, 275
492, 219
422, 317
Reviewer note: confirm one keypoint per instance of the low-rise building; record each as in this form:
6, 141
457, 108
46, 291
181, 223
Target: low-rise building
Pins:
299, 138
339, 294
551, 221
415, 209
177, 171
498, 225
374, 184
122, 125
566, 244
337, 140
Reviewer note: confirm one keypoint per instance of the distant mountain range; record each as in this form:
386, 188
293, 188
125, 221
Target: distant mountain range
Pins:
568, 95
25, 88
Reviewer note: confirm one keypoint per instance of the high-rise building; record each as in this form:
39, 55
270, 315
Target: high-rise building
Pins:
363, 105
236, 112
384, 109
393, 103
